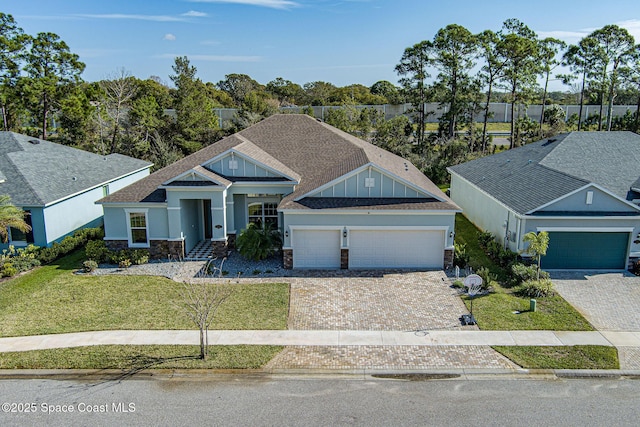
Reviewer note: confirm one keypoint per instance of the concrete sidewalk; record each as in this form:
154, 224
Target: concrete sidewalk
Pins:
326, 338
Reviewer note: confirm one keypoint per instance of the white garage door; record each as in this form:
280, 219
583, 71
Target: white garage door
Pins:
396, 249
316, 248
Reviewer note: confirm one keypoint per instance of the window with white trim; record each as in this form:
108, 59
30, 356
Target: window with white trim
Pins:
263, 213
138, 230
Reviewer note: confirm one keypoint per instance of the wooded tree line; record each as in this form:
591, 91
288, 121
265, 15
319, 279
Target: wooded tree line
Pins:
41, 85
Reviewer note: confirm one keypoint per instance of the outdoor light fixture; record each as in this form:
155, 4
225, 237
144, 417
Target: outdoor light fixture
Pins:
344, 232
286, 234
451, 234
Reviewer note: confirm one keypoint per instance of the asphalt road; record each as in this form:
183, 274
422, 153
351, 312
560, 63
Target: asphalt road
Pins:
325, 401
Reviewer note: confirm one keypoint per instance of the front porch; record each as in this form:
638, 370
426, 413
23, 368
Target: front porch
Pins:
207, 249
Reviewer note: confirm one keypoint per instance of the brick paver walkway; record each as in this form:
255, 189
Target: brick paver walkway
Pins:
389, 358
609, 301
401, 301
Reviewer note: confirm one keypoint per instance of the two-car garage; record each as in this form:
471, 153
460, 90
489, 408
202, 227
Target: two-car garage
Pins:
369, 248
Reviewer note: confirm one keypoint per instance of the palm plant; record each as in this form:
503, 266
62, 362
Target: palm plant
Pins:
11, 216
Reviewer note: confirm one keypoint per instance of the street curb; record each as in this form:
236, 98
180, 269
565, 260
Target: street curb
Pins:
275, 374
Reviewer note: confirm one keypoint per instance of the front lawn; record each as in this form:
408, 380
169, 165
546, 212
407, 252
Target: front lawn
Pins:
503, 309
52, 299
138, 357
564, 357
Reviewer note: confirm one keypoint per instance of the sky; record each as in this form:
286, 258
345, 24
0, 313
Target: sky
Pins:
338, 41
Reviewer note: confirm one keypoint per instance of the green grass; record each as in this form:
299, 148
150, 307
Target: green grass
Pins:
137, 357
564, 357
52, 299
495, 311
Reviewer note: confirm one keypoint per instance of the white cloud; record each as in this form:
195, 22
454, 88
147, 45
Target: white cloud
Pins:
274, 4
169, 37
157, 18
213, 58
573, 37
194, 13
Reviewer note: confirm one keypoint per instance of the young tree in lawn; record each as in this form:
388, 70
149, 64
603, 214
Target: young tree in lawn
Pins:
490, 73
11, 217
549, 49
454, 49
413, 66
200, 303
12, 44
617, 45
582, 60
519, 47
538, 245
49, 65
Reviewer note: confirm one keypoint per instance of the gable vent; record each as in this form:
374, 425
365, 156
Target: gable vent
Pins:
34, 141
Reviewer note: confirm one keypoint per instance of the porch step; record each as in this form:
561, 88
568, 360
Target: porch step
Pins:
202, 251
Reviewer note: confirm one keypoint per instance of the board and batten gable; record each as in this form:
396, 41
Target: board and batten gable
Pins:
368, 182
234, 164
589, 199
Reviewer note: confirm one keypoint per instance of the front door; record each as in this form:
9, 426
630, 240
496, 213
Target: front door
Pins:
206, 214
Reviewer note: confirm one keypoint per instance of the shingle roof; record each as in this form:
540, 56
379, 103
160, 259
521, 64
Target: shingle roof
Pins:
297, 145
528, 177
39, 172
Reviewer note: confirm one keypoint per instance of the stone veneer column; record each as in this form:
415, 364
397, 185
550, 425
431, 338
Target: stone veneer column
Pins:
448, 258
287, 258
219, 248
344, 259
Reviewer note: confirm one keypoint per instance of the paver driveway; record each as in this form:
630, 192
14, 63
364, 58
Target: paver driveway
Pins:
398, 302
609, 301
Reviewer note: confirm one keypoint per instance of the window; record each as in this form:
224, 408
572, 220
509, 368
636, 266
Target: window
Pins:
264, 213
138, 233
20, 236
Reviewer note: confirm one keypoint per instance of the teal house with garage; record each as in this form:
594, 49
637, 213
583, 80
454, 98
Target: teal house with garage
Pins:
583, 188
57, 186
338, 201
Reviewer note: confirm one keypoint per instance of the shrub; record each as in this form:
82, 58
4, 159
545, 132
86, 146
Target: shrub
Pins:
460, 255
8, 270
89, 265
124, 263
488, 279
521, 273
97, 250
47, 255
536, 288
138, 256
68, 244
484, 238
256, 243
458, 284
24, 263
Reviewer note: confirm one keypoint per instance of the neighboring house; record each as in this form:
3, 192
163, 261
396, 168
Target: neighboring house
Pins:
59, 185
339, 202
581, 187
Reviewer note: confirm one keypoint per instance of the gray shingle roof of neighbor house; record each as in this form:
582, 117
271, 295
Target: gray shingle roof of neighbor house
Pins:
528, 177
38, 172
301, 147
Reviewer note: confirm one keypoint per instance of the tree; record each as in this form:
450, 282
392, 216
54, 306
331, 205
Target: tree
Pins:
238, 86
118, 91
200, 302
518, 45
286, 91
413, 67
617, 47
455, 49
538, 245
50, 64
388, 90
549, 49
318, 93
582, 60
489, 74
196, 120
11, 216
12, 42
631, 77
